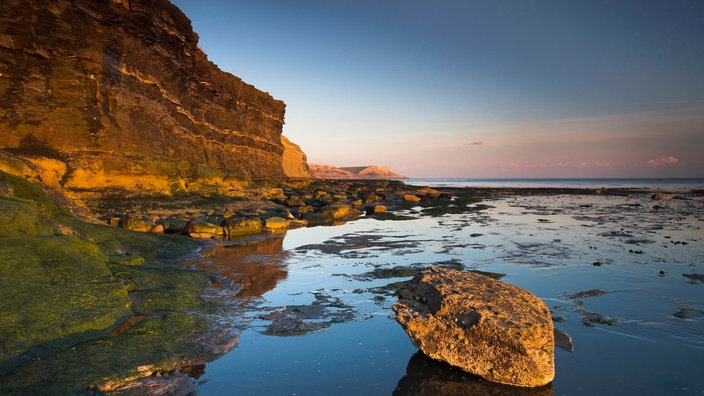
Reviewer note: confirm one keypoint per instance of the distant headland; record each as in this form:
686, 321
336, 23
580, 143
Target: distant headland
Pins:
353, 172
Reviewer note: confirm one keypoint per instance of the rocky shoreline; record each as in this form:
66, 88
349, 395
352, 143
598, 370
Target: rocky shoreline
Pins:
301, 203
75, 289
129, 291
263, 209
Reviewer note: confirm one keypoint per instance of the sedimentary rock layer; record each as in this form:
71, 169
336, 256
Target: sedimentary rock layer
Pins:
120, 88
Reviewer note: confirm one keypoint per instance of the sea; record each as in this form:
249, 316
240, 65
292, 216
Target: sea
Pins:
668, 184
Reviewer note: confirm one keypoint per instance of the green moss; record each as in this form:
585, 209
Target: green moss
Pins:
159, 277
54, 287
22, 218
64, 284
157, 345
27, 191
164, 289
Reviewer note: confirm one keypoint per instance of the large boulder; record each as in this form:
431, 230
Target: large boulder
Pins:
135, 224
337, 211
276, 224
200, 227
241, 225
486, 327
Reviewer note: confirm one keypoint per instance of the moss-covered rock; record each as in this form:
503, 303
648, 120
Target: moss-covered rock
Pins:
234, 226
65, 284
52, 287
276, 223
156, 345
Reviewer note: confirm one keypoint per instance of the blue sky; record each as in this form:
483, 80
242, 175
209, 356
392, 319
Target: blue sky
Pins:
463, 88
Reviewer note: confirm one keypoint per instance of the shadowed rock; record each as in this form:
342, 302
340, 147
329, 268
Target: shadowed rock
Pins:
486, 327
426, 376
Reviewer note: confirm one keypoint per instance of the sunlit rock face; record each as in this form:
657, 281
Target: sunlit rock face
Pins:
294, 161
119, 91
354, 172
483, 326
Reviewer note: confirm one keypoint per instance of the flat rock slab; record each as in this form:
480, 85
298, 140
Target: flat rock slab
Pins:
483, 326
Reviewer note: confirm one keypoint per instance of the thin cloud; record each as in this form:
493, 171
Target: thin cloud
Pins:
595, 164
475, 143
663, 161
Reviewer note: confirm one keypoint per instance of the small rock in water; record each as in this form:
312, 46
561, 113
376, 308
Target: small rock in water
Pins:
563, 340
486, 327
695, 278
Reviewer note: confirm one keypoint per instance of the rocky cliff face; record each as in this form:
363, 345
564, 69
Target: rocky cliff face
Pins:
295, 162
116, 93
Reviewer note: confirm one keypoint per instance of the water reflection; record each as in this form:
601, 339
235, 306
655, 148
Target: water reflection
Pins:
255, 264
426, 376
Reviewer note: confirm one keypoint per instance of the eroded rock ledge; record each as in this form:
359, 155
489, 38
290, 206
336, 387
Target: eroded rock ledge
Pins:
486, 327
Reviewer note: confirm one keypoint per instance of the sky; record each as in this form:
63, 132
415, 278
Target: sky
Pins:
475, 88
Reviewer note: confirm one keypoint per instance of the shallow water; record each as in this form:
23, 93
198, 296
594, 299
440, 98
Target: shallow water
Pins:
318, 320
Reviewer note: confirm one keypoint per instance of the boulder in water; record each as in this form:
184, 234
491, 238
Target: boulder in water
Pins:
484, 326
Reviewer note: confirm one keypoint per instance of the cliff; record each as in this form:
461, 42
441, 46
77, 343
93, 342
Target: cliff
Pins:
294, 160
117, 94
354, 172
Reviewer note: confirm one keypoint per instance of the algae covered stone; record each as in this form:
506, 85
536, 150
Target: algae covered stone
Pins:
241, 225
484, 326
65, 284
52, 286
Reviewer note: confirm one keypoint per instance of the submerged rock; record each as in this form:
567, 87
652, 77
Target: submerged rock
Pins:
486, 327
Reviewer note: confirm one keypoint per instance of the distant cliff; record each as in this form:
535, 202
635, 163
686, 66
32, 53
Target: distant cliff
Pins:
117, 94
356, 172
294, 161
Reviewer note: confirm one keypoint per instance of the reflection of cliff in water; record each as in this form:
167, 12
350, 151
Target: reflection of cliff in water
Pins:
256, 265
426, 376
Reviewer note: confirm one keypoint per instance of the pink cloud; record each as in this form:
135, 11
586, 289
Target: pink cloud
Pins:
584, 164
604, 164
663, 161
